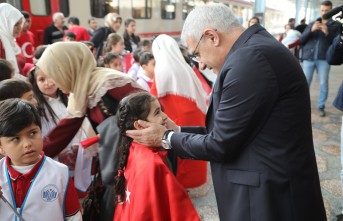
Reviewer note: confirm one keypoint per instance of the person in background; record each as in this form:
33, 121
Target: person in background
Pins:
253, 20
302, 26
258, 134
291, 38
112, 23
55, 32
145, 78
26, 39
11, 22
134, 69
315, 41
135, 191
25, 174
15, 88
113, 61
334, 56
70, 36
130, 39
38, 53
146, 45
80, 32
291, 22
92, 26
6, 70
115, 44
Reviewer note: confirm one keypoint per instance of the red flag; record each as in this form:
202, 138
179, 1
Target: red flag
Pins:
152, 191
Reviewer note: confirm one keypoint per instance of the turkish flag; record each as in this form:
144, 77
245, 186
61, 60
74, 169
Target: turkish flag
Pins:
152, 191
183, 98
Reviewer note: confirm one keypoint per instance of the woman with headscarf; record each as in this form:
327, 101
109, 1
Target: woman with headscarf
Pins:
184, 100
11, 23
112, 23
93, 91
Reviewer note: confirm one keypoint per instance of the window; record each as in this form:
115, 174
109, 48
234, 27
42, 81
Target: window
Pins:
188, 5
168, 9
40, 7
64, 7
101, 8
15, 3
141, 9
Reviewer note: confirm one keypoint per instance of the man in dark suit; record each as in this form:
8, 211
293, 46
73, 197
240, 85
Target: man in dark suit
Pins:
258, 134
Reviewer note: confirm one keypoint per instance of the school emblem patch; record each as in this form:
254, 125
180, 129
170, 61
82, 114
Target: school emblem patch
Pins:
49, 193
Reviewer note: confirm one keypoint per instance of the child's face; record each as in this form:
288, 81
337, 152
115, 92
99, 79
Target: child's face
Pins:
119, 47
114, 64
23, 149
27, 24
149, 68
156, 115
28, 96
46, 85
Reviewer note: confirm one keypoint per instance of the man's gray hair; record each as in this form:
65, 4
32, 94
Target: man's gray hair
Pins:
56, 15
214, 15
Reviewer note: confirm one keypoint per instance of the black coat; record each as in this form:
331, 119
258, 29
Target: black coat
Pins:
258, 135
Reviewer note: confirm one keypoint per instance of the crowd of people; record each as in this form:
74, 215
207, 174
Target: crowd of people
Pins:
157, 121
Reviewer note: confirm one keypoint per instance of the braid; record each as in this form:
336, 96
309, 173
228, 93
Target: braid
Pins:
131, 108
123, 152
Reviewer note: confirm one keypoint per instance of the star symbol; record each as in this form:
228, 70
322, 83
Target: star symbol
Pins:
127, 193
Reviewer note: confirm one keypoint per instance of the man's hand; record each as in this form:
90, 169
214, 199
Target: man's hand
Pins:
316, 26
150, 135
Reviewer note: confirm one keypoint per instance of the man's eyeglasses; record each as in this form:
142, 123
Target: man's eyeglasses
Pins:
194, 56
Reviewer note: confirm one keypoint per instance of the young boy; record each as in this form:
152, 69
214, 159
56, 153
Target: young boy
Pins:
14, 88
36, 185
26, 39
145, 77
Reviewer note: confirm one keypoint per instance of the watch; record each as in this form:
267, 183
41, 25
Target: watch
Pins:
165, 142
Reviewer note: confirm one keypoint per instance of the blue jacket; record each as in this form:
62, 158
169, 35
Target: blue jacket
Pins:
315, 44
334, 56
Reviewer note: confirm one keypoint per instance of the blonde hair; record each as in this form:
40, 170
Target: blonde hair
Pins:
112, 39
111, 18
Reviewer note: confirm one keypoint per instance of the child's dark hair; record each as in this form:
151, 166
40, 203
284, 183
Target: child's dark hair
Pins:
39, 51
13, 88
15, 115
42, 102
145, 57
6, 69
136, 54
71, 35
110, 56
131, 108
25, 14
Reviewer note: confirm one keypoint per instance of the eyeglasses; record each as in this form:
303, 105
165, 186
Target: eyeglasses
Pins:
194, 56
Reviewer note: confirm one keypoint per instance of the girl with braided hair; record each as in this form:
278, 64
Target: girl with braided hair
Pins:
145, 188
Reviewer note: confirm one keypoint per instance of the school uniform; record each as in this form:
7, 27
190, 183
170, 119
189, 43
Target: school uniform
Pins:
39, 193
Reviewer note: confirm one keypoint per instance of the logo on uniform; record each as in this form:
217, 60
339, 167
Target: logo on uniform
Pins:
49, 193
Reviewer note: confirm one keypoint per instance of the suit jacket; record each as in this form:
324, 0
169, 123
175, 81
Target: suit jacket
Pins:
258, 135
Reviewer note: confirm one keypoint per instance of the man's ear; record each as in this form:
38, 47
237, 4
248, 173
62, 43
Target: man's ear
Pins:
137, 126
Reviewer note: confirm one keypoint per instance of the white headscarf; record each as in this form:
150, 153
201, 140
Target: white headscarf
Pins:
173, 75
73, 67
9, 16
